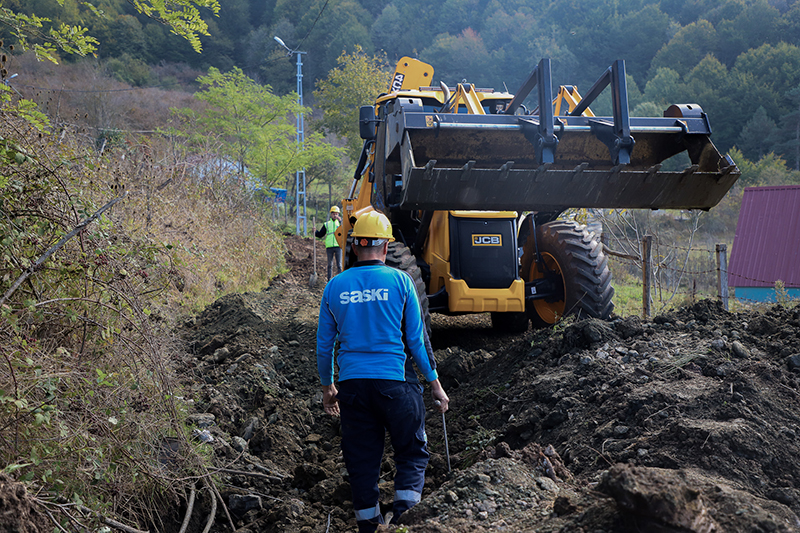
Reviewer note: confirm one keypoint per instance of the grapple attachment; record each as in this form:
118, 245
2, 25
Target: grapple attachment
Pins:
542, 162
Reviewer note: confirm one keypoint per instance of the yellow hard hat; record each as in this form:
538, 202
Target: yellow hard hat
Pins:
371, 227
335, 209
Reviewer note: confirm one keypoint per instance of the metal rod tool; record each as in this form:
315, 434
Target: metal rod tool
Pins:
446, 445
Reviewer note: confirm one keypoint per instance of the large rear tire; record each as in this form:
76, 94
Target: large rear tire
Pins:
576, 255
400, 257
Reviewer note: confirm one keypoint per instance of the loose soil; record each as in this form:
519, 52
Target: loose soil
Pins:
18, 512
688, 422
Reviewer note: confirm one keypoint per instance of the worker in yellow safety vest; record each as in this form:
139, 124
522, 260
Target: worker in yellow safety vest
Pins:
328, 231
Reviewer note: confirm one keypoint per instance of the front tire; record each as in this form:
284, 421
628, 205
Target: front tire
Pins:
576, 255
400, 257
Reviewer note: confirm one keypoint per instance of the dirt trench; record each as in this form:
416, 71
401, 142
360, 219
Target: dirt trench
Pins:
686, 423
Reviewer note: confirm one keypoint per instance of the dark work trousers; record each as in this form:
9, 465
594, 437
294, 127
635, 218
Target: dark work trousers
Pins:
370, 407
334, 253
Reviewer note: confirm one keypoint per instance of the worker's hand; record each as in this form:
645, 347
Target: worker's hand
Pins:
329, 401
439, 396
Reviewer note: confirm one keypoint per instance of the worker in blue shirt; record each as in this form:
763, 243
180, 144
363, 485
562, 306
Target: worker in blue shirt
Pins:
374, 313
332, 248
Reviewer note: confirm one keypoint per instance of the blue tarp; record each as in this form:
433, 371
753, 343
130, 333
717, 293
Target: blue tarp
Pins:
280, 194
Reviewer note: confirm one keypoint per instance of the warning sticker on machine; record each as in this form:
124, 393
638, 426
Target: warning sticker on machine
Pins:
487, 240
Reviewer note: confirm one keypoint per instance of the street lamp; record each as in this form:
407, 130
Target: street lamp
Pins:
301, 137
8, 79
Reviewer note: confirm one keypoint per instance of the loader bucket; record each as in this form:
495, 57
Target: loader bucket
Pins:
497, 170
547, 163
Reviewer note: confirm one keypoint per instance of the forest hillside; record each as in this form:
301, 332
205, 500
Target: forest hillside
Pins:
738, 59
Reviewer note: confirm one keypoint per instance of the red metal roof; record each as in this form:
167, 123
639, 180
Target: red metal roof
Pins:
767, 243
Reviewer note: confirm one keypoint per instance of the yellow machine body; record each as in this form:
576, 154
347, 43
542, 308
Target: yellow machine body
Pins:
445, 161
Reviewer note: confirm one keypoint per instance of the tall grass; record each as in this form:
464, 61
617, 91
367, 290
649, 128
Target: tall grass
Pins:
90, 400
221, 238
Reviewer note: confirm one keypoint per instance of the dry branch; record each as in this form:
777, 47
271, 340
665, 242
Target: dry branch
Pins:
188, 511
271, 479
213, 512
609, 251
53, 249
120, 526
85, 510
224, 507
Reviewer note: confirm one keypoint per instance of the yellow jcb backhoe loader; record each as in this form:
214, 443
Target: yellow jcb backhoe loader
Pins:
474, 183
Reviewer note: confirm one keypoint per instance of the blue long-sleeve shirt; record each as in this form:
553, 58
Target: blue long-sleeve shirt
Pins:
374, 312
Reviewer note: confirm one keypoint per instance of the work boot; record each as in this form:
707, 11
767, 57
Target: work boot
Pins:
369, 526
400, 507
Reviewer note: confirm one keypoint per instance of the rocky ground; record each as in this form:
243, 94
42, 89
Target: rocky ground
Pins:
686, 423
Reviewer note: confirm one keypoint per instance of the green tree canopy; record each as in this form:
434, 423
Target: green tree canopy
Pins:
755, 25
687, 47
256, 127
769, 170
789, 133
664, 88
461, 57
755, 137
776, 67
357, 80
47, 37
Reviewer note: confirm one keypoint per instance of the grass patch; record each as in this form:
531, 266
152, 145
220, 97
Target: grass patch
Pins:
91, 406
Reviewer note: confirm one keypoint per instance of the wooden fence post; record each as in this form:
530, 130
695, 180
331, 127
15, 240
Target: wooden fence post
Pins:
722, 274
647, 274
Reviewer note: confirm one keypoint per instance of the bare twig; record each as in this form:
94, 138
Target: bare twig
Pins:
272, 479
15, 419
83, 509
267, 496
602, 455
63, 510
695, 227
224, 507
213, 512
110, 522
120, 526
609, 251
53, 518
53, 249
189, 510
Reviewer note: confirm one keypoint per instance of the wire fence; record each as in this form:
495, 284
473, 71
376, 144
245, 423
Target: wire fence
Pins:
671, 274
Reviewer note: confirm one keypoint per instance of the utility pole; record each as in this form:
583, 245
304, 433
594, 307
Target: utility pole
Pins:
300, 175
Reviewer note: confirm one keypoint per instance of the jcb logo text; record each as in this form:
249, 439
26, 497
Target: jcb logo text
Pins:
487, 240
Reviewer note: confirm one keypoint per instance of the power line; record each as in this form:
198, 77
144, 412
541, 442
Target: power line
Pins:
314, 24
300, 44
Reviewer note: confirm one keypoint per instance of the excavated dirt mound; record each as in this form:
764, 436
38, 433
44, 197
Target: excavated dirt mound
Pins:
688, 422
18, 513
